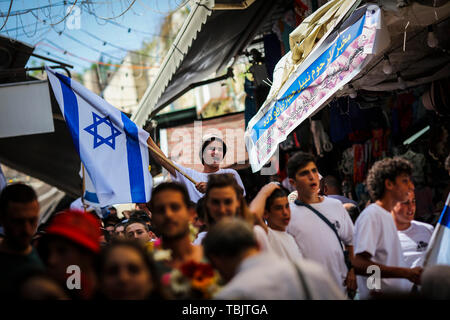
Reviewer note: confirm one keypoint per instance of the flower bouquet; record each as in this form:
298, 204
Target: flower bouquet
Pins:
193, 280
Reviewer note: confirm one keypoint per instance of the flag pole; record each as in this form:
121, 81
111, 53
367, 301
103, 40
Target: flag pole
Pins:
169, 162
84, 188
435, 233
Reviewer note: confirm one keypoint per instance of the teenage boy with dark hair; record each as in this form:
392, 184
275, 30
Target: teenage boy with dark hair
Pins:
212, 153
376, 239
19, 215
172, 214
271, 204
319, 224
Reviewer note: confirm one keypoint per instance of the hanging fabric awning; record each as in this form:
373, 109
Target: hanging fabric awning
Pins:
333, 62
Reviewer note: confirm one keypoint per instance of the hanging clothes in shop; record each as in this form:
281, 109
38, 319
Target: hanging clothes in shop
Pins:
272, 53
301, 11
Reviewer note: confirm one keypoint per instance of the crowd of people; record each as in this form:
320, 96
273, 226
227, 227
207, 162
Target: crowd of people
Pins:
204, 241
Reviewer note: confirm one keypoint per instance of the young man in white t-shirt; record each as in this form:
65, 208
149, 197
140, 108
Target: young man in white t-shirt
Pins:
315, 238
414, 235
250, 274
213, 150
378, 252
271, 203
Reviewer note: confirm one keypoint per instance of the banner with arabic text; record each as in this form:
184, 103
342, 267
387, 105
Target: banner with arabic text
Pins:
334, 63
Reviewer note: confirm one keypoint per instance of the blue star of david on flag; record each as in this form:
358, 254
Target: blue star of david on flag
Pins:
98, 139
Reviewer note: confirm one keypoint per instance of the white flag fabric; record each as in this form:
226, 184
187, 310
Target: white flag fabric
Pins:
2, 179
112, 148
439, 249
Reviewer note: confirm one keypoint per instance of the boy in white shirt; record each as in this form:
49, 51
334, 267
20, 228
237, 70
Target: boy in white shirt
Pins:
271, 203
319, 225
376, 240
414, 235
212, 153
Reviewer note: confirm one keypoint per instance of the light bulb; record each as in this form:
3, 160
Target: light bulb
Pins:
387, 67
432, 40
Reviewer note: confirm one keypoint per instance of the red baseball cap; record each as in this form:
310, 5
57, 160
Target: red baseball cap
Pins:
77, 226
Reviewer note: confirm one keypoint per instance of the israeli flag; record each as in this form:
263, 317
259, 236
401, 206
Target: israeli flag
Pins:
112, 148
439, 249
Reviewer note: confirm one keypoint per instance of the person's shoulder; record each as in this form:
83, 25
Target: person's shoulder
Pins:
332, 202
228, 170
422, 226
296, 208
371, 212
372, 209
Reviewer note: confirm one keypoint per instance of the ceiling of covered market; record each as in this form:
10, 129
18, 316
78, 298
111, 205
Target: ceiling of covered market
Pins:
409, 53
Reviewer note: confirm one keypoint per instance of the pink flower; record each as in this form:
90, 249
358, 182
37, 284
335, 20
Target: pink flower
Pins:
157, 243
165, 279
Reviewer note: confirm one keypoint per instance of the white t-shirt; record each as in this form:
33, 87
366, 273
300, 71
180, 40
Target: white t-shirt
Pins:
316, 239
265, 277
284, 245
199, 239
414, 242
194, 194
376, 234
260, 234
262, 238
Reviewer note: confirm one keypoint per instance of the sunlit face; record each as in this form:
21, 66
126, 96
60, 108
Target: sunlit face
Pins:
306, 180
222, 202
171, 215
279, 214
20, 223
213, 154
404, 211
402, 187
125, 275
137, 231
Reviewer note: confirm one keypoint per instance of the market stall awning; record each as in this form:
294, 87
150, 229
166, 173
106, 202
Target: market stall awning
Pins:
49, 157
352, 54
206, 43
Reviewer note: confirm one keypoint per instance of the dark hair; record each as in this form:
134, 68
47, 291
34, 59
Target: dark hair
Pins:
143, 253
227, 180
140, 214
207, 142
136, 220
332, 181
229, 238
174, 186
110, 220
17, 192
277, 193
298, 161
386, 169
200, 208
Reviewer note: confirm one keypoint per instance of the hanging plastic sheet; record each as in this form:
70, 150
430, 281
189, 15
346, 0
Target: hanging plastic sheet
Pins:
333, 64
